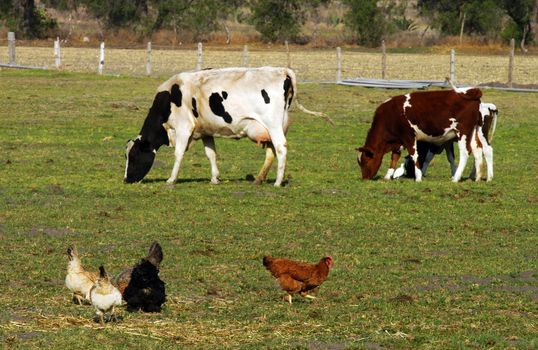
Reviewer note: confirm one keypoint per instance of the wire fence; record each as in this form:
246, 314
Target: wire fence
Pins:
311, 65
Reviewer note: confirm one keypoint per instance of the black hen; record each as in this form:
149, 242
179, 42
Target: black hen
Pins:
140, 286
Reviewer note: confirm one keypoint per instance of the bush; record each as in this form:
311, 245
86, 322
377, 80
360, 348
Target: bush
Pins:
367, 21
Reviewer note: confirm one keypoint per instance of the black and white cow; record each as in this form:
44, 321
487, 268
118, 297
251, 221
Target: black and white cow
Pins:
229, 103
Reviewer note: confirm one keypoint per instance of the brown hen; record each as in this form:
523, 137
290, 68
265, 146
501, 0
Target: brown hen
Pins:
298, 277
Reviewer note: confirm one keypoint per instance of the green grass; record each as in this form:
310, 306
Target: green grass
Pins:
431, 265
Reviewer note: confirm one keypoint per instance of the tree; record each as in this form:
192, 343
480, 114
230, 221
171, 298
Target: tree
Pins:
366, 19
523, 13
481, 17
22, 15
281, 20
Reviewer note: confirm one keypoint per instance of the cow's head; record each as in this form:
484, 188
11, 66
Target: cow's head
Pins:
140, 152
368, 161
139, 159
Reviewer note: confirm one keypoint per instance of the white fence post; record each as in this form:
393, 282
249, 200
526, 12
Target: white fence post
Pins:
452, 65
338, 64
57, 53
511, 63
244, 59
101, 58
11, 48
148, 59
199, 61
383, 60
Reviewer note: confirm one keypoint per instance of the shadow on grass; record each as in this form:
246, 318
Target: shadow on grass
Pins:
248, 178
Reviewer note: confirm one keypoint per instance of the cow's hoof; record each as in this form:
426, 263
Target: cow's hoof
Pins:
215, 181
170, 181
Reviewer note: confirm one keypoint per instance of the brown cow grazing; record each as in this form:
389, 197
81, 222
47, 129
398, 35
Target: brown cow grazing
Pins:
432, 116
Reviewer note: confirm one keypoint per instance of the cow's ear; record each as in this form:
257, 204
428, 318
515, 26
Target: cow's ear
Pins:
367, 151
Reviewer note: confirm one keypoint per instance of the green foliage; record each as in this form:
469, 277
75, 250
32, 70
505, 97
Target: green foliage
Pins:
520, 12
24, 17
278, 20
482, 17
366, 20
511, 31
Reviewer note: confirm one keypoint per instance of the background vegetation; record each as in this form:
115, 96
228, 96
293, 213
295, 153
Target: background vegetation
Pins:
364, 22
431, 265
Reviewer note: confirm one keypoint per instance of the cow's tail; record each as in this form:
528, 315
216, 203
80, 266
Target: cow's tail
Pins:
494, 126
291, 75
317, 114
466, 93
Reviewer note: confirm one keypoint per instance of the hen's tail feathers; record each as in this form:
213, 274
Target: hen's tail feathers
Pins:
102, 272
155, 254
267, 261
317, 114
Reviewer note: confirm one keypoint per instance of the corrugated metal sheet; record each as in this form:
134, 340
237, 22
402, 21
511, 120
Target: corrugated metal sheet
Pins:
416, 84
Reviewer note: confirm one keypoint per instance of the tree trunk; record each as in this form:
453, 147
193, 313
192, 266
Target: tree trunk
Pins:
29, 18
522, 44
533, 23
462, 28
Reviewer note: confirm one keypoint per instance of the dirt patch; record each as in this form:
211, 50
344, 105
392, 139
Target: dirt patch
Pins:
326, 346
497, 84
525, 282
50, 232
403, 298
55, 189
373, 346
208, 251
125, 105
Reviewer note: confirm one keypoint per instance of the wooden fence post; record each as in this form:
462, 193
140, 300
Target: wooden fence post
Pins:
148, 59
101, 58
57, 53
199, 60
288, 53
511, 63
452, 65
11, 48
244, 59
338, 65
383, 60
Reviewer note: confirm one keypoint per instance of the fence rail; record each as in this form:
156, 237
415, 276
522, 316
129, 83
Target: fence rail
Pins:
325, 65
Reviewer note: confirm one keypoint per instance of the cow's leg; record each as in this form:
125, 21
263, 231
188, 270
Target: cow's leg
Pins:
464, 155
183, 139
477, 154
281, 149
269, 157
411, 146
488, 154
424, 158
211, 153
395, 157
414, 156
450, 156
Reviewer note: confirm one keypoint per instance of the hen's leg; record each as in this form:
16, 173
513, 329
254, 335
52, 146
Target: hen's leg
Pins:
288, 298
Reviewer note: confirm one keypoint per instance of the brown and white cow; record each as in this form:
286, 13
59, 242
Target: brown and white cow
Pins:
426, 151
432, 116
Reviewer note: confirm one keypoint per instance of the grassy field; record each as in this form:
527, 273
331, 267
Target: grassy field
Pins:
311, 65
431, 265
